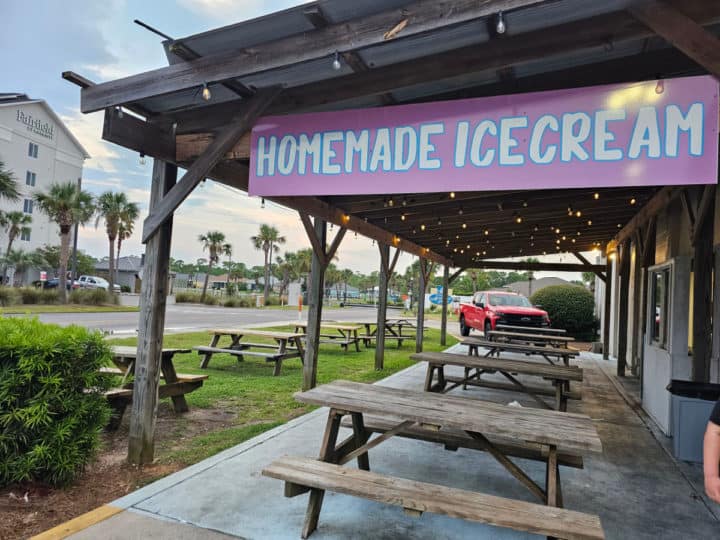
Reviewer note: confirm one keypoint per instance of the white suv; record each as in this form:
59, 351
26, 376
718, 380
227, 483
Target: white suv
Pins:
95, 282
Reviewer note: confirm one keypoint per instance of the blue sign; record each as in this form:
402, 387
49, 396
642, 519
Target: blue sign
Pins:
437, 299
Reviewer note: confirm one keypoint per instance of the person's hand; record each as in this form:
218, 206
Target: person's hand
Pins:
712, 488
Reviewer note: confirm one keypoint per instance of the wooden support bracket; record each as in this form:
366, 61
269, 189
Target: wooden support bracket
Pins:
325, 256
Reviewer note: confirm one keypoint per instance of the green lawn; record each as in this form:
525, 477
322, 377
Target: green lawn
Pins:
261, 401
67, 308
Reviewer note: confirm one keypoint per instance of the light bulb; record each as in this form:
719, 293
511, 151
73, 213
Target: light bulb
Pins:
262, 203
336, 65
500, 26
422, 227
402, 217
206, 94
518, 219
142, 158
597, 196
660, 87
633, 201
578, 213
452, 194
464, 225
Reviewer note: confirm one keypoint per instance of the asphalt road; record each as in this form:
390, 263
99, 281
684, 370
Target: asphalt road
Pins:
189, 317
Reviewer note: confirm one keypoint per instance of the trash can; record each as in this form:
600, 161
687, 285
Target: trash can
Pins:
692, 403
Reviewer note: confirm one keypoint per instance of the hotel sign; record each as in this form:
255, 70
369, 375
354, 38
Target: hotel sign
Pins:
36, 125
637, 134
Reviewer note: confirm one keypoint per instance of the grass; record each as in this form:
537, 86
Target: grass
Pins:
67, 308
261, 401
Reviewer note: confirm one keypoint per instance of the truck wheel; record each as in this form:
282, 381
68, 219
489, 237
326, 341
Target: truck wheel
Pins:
464, 330
488, 327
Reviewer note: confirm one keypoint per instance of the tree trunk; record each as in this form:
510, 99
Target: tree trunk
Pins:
111, 264
117, 260
266, 291
11, 239
64, 256
207, 277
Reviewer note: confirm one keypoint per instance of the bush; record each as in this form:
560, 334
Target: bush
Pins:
92, 297
211, 300
569, 307
187, 297
51, 403
29, 295
125, 288
49, 296
8, 296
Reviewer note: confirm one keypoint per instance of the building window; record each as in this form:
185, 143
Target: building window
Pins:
28, 206
25, 235
30, 178
660, 306
32, 150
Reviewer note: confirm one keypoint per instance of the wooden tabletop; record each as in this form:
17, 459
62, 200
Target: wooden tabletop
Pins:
567, 373
572, 433
530, 337
253, 332
540, 329
123, 351
334, 326
511, 347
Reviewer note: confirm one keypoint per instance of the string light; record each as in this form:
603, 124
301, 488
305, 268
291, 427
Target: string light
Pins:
404, 201
518, 219
464, 225
439, 222
402, 217
336, 65
119, 112
262, 203
596, 195
589, 222
487, 232
525, 204
660, 87
452, 194
557, 231
422, 227
142, 158
633, 201
206, 94
578, 214
460, 211
500, 26
391, 202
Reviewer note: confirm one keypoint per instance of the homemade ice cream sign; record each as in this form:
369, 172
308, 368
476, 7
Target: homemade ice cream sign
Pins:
640, 134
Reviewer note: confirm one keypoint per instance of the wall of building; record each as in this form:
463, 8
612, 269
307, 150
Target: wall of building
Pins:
58, 159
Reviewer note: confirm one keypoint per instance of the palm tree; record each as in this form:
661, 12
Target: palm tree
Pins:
129, 215
66, 205
267, 240
21, 261
15, 223
214, 243
8, 185
110, 207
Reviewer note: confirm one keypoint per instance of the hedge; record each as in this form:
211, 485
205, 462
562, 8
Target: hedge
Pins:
570, 307
51, 404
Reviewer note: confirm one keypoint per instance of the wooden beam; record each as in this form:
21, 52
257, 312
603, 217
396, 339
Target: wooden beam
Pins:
689, 208
623, 304
637, 305
200, 169
587, 263
681, 31
607, 303
385, 275
456, 274
703, 298
715, 358
443, 313
317, 248
705, 208
420, 322
153, 297
335, 244
150, 139
315, 301
423, 16
659, 201
538, 266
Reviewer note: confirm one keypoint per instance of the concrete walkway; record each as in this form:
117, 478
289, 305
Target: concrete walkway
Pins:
635, 486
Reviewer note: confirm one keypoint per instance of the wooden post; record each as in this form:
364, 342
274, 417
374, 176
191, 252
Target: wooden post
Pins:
315, 300
702, 299
715, 367
606, 309
382, 306
443, 315
637, 306
153, 296
422, 284
623, 304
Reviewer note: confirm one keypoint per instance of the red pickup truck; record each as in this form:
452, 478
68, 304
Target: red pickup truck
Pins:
489, 308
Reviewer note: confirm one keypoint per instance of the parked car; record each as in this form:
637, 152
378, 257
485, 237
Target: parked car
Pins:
54, 283
489, 308
96, 282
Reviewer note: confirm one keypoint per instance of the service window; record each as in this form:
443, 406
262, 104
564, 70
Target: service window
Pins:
659, 306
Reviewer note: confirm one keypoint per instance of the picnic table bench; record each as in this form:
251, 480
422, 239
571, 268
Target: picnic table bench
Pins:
287, 345
393, 331
474, 367
346, 334
175, 387
533, 329
496, 347
553, 432
526, 337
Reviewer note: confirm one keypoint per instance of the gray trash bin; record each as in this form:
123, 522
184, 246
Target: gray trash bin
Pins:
692, 403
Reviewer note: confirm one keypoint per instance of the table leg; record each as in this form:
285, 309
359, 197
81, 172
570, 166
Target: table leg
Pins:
327, 453
361, 436
552, 475
429, 377
357, 340
206, 357
168, 371
235, 344
300, 349
282, 346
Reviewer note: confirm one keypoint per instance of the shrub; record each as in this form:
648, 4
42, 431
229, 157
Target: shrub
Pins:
8, 296
273, 301
231, 302
187, 297
29, 295
49, 296
51, 403
92, 297
569, 307
125, 288
211, 300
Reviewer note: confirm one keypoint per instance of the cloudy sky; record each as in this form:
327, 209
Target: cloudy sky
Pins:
43, 38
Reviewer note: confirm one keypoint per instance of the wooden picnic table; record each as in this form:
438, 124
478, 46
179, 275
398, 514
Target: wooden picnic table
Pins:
561, 341
533, 329
551, 431
497, 347
393, 331
287, 345
347, 334
175, 387
474, 367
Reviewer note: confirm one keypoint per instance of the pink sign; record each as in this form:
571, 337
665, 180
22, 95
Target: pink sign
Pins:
638, 134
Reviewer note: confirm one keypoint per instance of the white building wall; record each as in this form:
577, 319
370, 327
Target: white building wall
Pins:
59, 159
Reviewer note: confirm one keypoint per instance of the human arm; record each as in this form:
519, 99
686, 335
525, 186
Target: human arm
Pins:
711, 456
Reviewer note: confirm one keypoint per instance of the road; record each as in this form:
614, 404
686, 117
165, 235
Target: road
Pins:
189, 317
